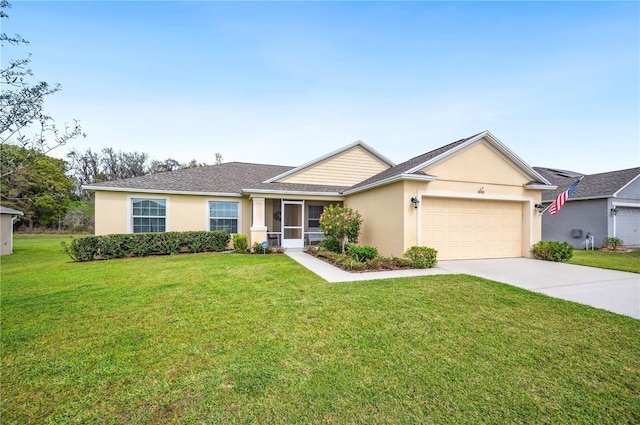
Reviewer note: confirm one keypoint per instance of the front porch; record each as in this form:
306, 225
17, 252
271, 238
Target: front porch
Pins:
289, 223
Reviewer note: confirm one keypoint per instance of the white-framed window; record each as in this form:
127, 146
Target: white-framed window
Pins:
315, 211
148, 215
224, 215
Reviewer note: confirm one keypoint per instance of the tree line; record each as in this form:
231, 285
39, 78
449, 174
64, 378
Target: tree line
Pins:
49, 190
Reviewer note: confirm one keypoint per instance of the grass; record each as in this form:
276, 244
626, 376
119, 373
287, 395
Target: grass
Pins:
624, 261
222, 338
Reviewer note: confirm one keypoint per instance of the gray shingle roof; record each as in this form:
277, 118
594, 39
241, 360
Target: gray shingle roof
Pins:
241, 177
233, 177
230, 177
600, 185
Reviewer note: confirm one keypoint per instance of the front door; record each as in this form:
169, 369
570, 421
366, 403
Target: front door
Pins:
292, 224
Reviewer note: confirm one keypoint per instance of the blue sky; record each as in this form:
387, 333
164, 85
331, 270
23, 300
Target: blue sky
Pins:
286, 82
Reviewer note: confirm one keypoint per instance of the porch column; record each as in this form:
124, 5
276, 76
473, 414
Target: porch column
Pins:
258, 228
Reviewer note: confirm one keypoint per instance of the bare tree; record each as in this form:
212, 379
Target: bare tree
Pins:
23, 120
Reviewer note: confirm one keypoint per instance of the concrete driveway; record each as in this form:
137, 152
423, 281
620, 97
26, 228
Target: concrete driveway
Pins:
611, 290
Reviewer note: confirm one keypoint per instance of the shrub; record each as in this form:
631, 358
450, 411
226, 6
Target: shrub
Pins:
341, 223
107, 247
348, 263
331, 244
552, 251
400, 262
257, 248
363, 253
240, 243
422, 257
612, 243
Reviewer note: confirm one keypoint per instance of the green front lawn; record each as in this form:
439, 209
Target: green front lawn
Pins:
624, 261
225, 338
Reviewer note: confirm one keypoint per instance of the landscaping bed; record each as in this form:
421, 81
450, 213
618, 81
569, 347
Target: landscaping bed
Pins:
347, 263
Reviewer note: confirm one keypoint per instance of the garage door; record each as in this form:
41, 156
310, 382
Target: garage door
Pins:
465, 228
628, 225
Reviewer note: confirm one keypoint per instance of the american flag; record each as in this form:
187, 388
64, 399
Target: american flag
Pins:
562, 198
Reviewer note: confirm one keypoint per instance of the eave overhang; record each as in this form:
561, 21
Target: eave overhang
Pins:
292, 192
540, 187
163, 191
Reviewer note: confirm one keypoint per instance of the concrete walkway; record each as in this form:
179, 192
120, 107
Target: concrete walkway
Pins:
611, 290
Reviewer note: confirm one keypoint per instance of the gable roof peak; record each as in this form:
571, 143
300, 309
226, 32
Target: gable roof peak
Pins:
332, 154
415, 165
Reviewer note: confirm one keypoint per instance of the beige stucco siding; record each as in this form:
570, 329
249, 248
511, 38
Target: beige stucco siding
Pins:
346, 169
184, 212
383, 210
112, 212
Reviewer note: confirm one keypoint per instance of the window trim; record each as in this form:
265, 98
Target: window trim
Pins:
129, 206
207, 217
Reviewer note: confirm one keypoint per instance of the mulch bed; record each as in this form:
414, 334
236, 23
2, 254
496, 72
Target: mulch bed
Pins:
384, 266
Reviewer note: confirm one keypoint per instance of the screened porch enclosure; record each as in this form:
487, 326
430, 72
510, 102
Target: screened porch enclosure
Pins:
294, 223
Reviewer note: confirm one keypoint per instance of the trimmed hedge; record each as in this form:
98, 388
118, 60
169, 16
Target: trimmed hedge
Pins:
89, 248
552, 251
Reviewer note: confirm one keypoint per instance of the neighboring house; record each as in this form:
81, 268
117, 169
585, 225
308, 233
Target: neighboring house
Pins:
473, 198
7, 217
602, 205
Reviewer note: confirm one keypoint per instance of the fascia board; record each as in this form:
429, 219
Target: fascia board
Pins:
626, 185
626, 204
12, 212
329, 155
292, 192
164, 191
540, 187
392, 179
584, 198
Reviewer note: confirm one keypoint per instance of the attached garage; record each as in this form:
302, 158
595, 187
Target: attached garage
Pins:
472, 228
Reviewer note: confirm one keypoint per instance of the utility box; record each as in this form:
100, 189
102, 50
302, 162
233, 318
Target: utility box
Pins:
576, 233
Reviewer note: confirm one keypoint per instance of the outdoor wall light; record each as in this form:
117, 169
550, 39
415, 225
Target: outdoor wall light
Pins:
415, 201
539, 207
614, 211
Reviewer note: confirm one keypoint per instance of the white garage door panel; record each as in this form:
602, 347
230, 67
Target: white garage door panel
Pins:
461, 228
628, 225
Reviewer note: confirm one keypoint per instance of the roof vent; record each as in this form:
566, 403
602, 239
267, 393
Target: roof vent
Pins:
566, 173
